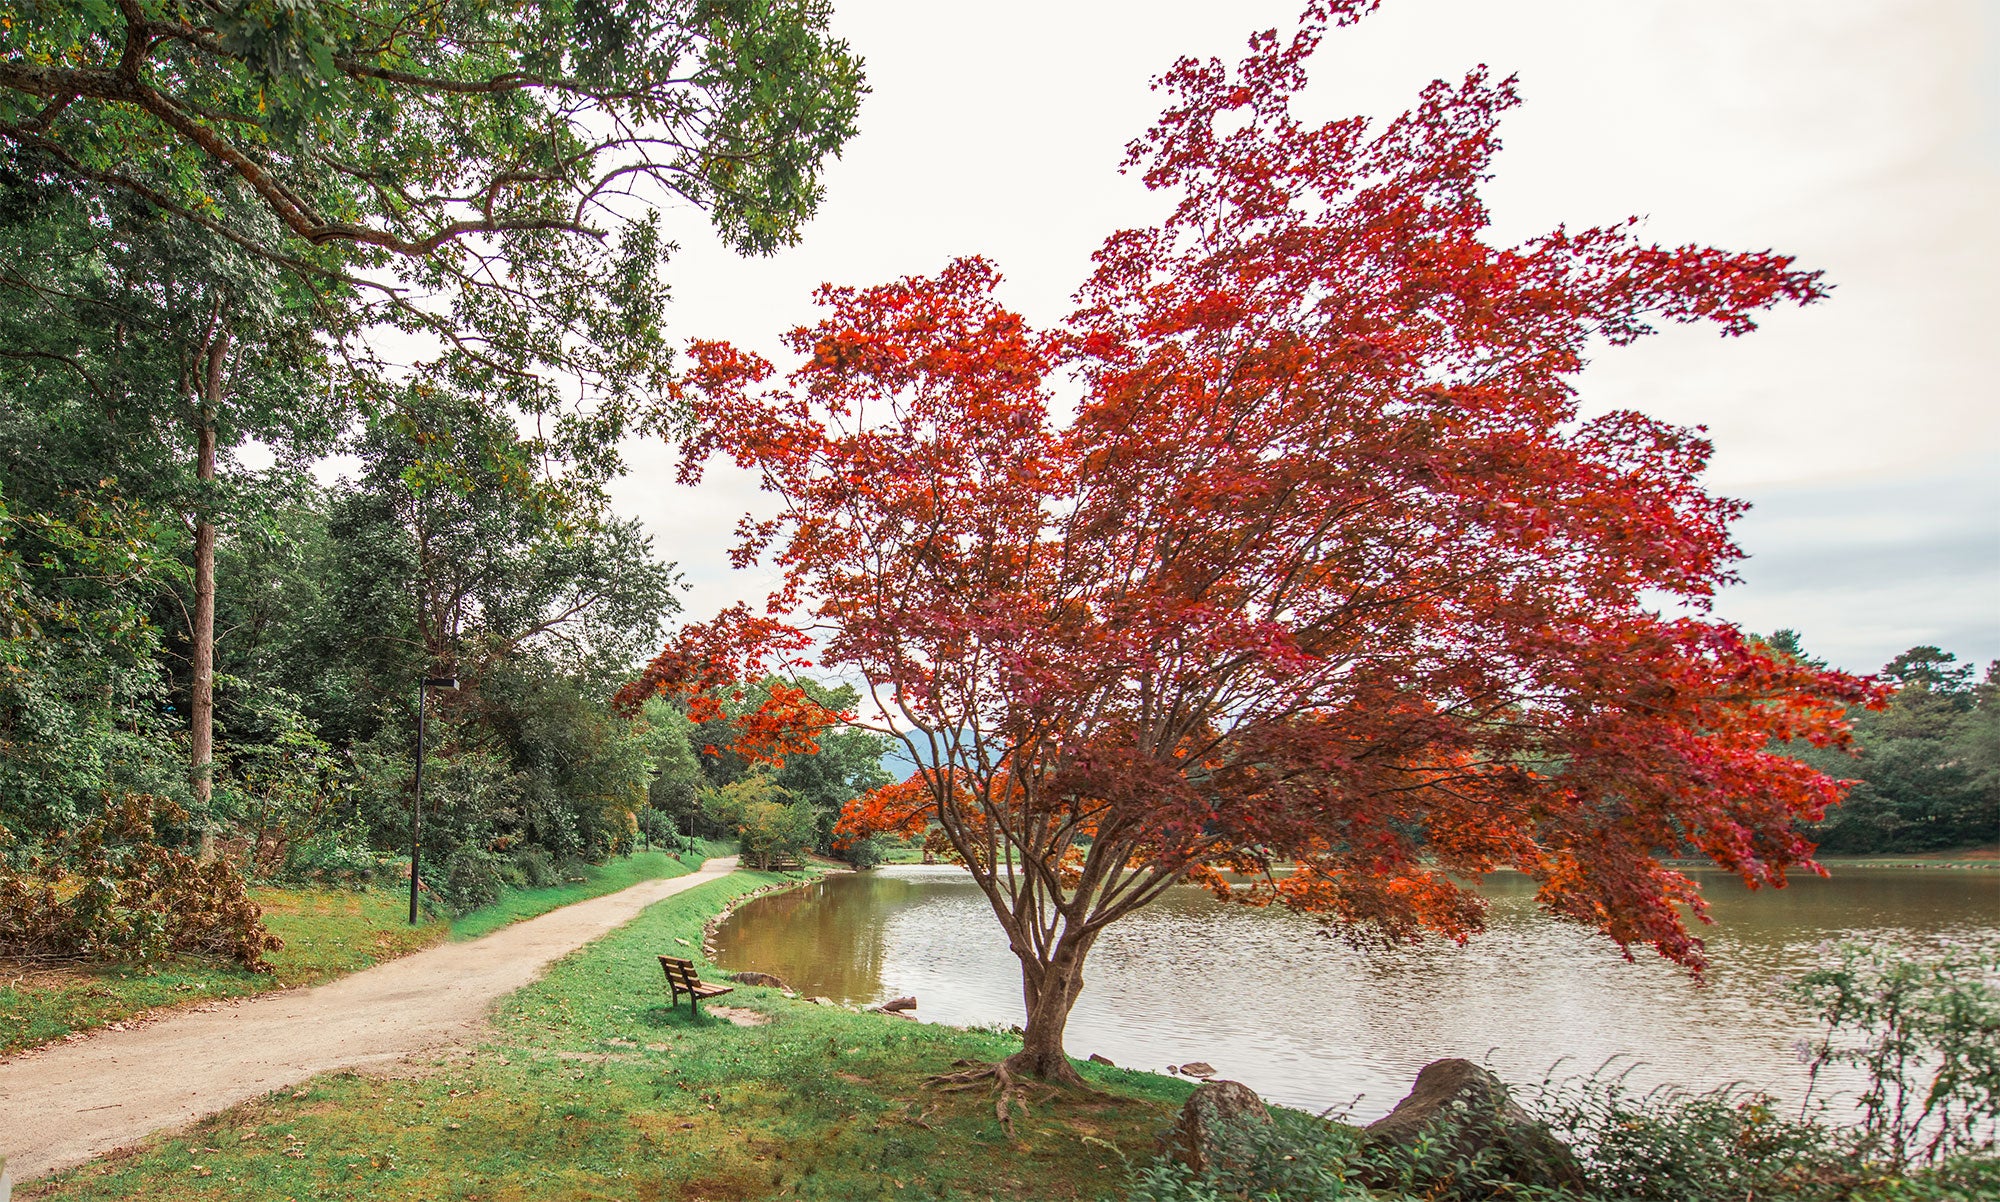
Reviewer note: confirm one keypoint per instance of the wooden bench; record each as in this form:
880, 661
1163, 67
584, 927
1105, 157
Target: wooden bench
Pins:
681, 979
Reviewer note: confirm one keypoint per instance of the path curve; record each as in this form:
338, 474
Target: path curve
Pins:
63, 1104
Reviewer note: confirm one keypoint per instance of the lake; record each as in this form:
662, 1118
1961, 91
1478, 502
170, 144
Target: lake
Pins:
1309, 1022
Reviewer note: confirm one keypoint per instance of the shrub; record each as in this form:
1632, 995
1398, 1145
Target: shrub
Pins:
1927, 1036
472, 877
1659, 1146
1725, 1145
1294, 1156
110, 891
337, 855
534, 869
867, 853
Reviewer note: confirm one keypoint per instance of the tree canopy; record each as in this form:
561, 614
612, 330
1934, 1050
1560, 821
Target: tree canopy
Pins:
1325, 565
1925, 766
413, 232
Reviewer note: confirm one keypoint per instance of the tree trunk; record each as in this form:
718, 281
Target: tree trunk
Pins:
201, 657
1050, 989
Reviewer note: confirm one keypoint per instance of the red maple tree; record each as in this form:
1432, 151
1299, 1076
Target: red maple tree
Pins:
1323, 566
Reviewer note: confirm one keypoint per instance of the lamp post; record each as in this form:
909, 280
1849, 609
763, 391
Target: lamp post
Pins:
417, 808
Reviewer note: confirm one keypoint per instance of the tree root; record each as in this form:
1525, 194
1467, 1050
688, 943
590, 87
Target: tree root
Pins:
1014, 1093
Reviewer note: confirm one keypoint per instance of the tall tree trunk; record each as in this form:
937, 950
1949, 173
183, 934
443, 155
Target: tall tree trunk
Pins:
1050, 988
201, 703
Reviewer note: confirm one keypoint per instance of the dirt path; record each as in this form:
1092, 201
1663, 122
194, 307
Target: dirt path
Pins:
64, 1104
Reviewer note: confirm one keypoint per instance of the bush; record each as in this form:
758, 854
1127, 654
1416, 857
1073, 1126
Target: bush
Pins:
1927, 1036
337, 855
534, 870
1659, 1146
472, 877
867, 853
1294, 1156
112, 892
1722, 1146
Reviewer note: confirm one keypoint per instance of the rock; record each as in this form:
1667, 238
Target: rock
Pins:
1197, 1068
1472, 1105
682, 942
758, 978
1100, 1058
817, 1000
898, 1003
1214, 1111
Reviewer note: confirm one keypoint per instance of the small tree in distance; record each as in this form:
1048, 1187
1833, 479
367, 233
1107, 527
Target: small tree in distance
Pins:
1325, 567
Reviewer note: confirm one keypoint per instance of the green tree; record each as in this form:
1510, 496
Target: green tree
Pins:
771, 823
1925, 769
846, 762
80, 704
676, 780
461, 547
484, 173
145, 350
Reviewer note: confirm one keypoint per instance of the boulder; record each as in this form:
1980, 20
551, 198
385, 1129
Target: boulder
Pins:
1469, 1105
820, 1001
1212, 1112
758, 978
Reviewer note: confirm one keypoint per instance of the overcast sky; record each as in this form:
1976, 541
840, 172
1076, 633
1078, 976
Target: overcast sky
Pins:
1861, 135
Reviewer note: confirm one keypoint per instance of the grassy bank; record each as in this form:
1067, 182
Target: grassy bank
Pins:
328, 932
1982, 856
592, 1087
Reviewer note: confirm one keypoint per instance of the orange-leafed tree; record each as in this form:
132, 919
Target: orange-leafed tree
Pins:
705, 667
1316, 559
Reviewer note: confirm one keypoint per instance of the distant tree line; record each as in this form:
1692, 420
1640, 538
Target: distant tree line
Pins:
1926, 766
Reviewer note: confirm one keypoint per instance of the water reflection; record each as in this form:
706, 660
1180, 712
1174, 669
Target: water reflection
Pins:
1309, 1022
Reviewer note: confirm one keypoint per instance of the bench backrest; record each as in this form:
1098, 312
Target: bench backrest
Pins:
680, 972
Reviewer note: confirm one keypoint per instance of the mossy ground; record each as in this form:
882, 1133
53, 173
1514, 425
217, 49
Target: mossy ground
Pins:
591, 1086
328, 932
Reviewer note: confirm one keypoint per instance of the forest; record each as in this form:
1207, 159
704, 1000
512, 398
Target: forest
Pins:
314, 366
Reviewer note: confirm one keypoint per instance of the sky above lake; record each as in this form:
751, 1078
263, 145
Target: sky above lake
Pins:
1863, 137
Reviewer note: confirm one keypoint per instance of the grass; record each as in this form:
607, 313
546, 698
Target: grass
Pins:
897, 851
328, 932
592, 1087
1984, 855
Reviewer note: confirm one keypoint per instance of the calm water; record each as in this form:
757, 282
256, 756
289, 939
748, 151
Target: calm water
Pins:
1308, 1022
